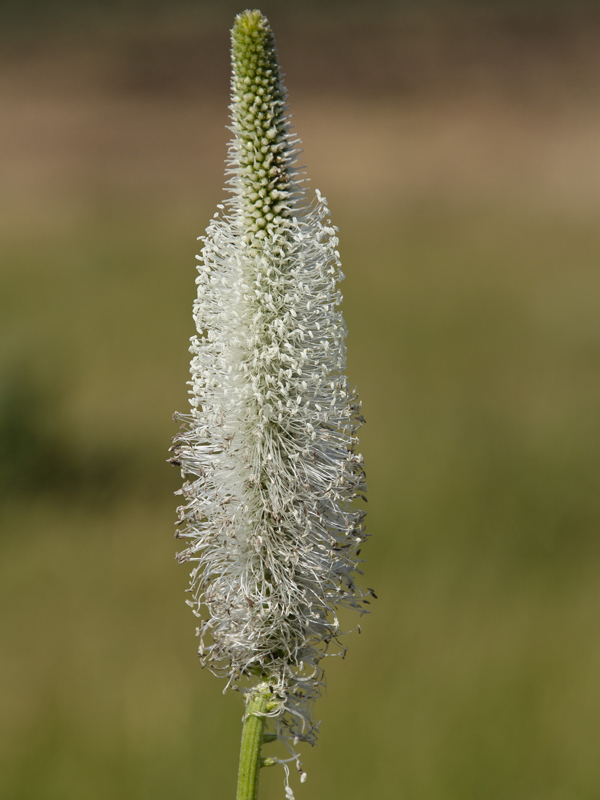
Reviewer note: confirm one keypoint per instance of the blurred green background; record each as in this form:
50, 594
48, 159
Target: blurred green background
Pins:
458, 147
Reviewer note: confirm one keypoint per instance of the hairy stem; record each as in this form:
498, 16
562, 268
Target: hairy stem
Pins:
252, 739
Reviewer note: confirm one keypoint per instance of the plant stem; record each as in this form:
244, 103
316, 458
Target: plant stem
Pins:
252, 739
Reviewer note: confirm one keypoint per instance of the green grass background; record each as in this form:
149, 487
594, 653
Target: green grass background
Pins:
474, 321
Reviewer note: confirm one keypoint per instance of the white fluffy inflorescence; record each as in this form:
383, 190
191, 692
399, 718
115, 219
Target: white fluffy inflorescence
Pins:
271, 437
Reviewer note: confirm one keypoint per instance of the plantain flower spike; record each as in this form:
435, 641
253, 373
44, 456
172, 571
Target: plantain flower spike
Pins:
270, 443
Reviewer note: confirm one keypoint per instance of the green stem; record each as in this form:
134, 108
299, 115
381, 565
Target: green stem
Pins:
252, 739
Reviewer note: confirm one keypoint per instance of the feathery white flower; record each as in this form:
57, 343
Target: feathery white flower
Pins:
272, 433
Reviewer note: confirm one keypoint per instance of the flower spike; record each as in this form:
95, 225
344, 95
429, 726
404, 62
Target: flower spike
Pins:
270, 443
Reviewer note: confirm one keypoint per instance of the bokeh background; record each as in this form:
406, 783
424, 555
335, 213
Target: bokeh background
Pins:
458, 145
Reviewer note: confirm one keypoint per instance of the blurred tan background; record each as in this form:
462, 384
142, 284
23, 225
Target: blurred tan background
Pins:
459, 147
